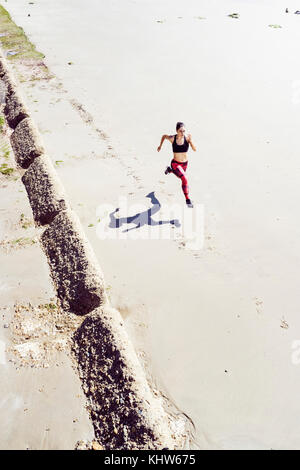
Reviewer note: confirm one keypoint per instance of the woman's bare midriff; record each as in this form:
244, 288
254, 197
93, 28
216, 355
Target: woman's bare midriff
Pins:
180, 157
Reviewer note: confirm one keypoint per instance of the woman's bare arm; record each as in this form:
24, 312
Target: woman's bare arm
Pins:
165, 136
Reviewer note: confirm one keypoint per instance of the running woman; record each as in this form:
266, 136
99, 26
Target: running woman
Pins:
180, 145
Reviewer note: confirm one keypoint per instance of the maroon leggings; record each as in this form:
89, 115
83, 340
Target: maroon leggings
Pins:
179, 169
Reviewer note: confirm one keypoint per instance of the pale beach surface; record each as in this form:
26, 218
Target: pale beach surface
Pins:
42, 404
216, 327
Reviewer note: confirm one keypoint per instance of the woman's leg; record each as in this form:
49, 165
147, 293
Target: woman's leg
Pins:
179, 171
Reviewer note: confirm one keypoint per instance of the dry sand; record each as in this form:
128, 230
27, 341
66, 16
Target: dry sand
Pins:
215, 327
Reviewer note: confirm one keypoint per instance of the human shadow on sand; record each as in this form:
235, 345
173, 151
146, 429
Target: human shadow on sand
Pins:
142, 218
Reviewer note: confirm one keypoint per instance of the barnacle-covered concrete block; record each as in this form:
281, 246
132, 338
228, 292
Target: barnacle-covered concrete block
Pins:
125, 412
11, 85
45, 191
74, 269
3, 70
26, 143
15, 110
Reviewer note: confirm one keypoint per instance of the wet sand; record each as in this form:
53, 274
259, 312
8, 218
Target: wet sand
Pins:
41, 401
215, 327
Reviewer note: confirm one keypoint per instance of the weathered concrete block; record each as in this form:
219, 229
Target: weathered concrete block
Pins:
45, 191
74, 268
10, 84
6, 76
26, 143
14, 110
4, 69
124, 411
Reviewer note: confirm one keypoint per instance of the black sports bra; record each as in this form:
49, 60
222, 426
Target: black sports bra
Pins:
180, 148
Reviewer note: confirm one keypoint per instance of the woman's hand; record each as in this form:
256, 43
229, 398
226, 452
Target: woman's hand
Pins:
162, 141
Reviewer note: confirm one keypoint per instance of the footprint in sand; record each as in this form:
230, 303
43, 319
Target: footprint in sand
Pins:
258, 304
284, 324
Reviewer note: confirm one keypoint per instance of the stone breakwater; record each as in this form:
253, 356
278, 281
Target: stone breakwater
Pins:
126, 413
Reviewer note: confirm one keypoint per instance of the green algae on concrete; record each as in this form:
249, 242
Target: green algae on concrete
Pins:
14, 39
5, 170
